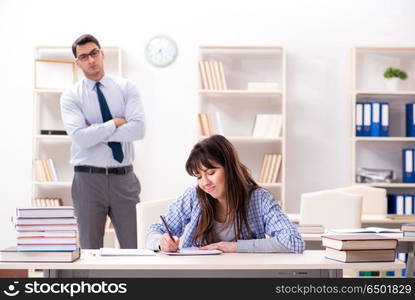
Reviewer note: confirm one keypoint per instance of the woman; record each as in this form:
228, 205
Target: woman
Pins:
226, 211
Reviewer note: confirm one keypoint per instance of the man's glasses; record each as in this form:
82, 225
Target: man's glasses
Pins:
84, 57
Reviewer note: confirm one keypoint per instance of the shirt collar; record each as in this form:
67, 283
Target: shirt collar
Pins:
91, 83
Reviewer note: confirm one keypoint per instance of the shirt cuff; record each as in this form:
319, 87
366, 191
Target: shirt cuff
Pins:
153, 240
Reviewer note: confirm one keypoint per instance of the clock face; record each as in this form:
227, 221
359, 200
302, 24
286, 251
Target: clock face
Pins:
161, 51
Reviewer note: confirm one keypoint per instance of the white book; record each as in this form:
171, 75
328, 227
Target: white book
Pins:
385, 114
46, 212
24, 228
46, 221
260, 126
193, 251
216, 123
367, 230
46, 240
125, 252
47, 247
38, 234
53, 170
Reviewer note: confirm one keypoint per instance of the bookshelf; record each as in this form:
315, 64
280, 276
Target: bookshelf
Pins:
54, 71
237, 102
369, 85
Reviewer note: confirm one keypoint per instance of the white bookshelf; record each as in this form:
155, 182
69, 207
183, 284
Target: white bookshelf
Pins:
369, 85
237, 106
47, 116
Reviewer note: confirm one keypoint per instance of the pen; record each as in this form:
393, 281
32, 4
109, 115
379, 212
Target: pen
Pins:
167, 228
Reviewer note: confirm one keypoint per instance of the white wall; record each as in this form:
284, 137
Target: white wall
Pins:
317, 34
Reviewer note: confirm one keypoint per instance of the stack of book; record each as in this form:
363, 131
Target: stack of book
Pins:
42, 202
270, 168
46, 229
360, 247
212, 74
210, 123
408, 229
45, 170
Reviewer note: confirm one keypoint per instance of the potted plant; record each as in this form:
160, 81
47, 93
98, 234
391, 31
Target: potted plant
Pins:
393, 75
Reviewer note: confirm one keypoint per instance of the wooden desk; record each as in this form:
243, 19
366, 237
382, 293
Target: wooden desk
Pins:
311, 263
406, 244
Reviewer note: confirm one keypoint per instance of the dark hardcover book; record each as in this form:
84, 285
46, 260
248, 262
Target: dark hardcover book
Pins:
53, 132
359, 242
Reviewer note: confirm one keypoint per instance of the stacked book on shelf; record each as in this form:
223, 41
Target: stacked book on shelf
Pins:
213, 75
408, 229
401, 205
42, 202
372, 119
45, 170
359, 247
53, 132
44, 234
210, 123
270, 168
267, 126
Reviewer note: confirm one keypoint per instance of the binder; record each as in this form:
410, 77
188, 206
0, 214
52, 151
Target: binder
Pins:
410, 122
408, 209
375, 128
391, 207
384, 119
399, 204
359, 119
367, 119
407, 165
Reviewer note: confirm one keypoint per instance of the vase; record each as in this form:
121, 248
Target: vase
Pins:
392, 84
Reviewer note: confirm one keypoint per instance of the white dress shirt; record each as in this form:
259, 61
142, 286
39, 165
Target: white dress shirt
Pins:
82, 120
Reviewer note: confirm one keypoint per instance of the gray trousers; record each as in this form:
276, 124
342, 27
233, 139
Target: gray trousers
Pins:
97, 195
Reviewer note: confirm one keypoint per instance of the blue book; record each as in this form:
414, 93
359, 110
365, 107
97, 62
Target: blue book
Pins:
408, 165
367, 119
375, 128
359, 119
384, 119
410, 122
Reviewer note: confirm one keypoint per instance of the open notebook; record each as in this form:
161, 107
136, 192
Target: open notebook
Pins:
367, 230
193, 251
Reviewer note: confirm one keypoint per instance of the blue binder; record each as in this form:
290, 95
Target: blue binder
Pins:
384, 119
375, 128
408, 165
367, 119
391, 207
359, 119
410, 124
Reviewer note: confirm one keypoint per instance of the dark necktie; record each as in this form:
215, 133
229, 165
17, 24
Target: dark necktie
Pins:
106, 116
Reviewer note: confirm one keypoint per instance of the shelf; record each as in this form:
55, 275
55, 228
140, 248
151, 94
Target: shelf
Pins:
241, 47
52, 137
240, 93
248, 139
389, 185
390, 93
270, 185
384, 139
53, 183
49, 91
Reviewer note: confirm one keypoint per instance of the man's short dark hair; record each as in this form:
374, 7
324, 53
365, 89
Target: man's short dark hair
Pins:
84, 39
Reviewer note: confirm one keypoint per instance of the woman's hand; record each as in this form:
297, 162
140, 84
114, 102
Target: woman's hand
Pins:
223, 246
167, 245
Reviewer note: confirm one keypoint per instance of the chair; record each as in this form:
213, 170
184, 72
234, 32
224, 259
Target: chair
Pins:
332, 209
147, 213
374, 199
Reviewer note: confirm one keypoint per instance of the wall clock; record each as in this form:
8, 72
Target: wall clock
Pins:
161, 51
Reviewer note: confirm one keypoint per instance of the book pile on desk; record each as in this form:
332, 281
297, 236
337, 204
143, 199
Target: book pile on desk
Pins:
44, 234
359, 247
408, 229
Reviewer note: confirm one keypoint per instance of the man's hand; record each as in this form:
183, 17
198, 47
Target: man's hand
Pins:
167, 245
223, 246
119, 121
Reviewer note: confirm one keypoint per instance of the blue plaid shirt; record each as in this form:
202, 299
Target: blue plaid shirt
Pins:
264, 216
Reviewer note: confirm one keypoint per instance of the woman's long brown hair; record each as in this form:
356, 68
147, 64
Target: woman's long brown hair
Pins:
238, 186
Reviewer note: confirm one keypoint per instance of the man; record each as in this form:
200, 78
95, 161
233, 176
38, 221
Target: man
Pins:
103, 115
